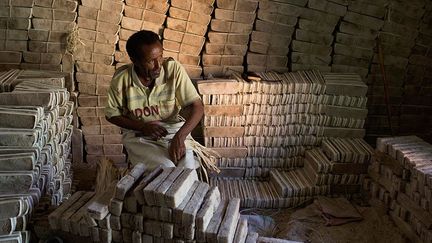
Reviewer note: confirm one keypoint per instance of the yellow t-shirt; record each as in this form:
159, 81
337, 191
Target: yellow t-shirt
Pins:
129, 97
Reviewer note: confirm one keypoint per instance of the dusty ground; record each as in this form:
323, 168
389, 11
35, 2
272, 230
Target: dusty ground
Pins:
305, 224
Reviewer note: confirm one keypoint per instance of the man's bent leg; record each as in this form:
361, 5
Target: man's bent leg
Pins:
151, 153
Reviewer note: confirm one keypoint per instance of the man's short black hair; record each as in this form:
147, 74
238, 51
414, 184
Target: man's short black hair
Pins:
139, 39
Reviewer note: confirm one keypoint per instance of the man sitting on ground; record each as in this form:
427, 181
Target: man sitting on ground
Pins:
145, 98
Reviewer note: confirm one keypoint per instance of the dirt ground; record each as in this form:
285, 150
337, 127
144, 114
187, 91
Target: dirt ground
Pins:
306, 225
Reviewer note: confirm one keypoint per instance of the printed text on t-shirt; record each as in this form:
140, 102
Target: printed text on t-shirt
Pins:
147, 111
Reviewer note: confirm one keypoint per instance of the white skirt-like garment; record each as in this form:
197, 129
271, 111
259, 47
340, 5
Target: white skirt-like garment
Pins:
153, 153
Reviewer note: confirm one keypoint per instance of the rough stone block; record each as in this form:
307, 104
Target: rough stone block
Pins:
276, 40
175, 194
10, 57
314, 37
319, 16
18, 23
235, 16
194, 17
55, 217
98, 209
226, 49
92, 4
107, 28
228, 225
301, 58
288, 20
270, 60
353, 51
358, 30
17, 35
209, 207
199, 7
215, 223
88, 12
23, 3
109, 17
352, 40
305, 24
185, 26
113, 6
269, 27
241, 231
192, 207
229, 38
239, 5
351, 61
149, 194
327, 6
367, 9
363, 20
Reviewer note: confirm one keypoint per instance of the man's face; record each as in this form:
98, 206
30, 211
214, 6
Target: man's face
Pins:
150, 62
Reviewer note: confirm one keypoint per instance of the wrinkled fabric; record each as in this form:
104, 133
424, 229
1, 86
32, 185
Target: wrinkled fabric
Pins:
142, 149
337, 211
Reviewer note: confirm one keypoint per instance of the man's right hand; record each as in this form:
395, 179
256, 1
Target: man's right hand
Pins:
154, 130
149, 129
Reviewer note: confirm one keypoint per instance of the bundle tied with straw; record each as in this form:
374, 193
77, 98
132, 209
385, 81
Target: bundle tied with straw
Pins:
206, 158
107, 173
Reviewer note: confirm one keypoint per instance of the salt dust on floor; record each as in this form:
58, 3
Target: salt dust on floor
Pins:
306, 225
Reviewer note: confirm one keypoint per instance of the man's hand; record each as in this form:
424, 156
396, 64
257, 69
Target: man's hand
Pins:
149, 129
154, 130
177, 148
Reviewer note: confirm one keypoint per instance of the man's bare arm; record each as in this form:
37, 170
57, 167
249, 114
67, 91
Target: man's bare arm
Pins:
147, 128
195, 112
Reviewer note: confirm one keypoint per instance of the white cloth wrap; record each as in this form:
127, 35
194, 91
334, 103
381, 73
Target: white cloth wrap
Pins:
153, 153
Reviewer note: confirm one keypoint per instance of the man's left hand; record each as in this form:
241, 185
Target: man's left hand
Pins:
177, 148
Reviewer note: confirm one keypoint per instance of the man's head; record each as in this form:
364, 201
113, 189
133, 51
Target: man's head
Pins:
145, 51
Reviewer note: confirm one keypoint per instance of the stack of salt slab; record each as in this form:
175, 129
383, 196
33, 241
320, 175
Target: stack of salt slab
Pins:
269, 123
313, 40
338, 167
416, 104
377, 122
139, 15
164, 205
272, 35
53, 135
400, 179
35, 137
399, 30
229, 36
103, 140
255, 126
183, 38
98, 28
398, 37
52, 22
262, 125
355, 38
338, 161
346, 108
15, 23
267, 194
